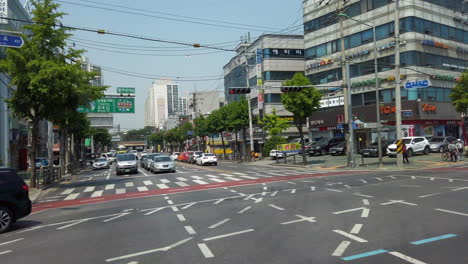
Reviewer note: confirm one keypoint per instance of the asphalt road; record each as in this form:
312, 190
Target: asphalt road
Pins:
293, 217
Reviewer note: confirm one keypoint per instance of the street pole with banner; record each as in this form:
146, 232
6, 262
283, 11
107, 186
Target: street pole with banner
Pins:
352, 154
398, 121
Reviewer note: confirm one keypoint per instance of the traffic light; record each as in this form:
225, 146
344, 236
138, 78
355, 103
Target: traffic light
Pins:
239, 90
291, 89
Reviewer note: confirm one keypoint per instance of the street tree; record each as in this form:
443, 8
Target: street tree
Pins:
274, 126
238, 120
41, 69
459, 94
157, 138
302, 104
101, 137
201, 129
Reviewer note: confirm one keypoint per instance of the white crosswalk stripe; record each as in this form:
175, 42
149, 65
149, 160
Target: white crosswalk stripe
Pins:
129, 184
110, 186
96, 194
165, 180
200, 182
225, 174
248, 177
197, 177
217, 180
213, 176
162, 186
181, 179
147, 182
89, 189
120, 191
142, 189
72, 196
68, 191
233, 179
238, 173
181, 184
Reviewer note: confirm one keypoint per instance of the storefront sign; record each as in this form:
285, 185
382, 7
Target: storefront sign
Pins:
289, 148
429, 108
316, 122
358, 54
443, 77
417, 84
408, 130
387, 46
319, 64
260, 100
436, 44
287, 53
407, 113
387, 109
453, 66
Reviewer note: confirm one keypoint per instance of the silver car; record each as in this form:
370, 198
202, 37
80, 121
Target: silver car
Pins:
100, 163
440, 144
162, 163
150, 159
126, 163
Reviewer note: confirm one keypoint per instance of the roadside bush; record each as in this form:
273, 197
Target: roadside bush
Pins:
271, 144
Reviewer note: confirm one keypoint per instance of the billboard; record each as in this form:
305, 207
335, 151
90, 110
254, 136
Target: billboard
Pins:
110, 105
289, 148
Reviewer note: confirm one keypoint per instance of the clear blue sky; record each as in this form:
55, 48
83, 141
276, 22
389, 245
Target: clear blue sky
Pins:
276, 14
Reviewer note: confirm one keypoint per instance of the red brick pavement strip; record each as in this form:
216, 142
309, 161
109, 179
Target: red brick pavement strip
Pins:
84, 201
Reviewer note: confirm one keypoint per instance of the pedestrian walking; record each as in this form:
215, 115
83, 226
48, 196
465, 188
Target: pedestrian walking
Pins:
453, 151
459, 146
405, 154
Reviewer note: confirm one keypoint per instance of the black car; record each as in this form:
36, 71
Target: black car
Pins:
14, 199
322, 147
339, 149
372, 149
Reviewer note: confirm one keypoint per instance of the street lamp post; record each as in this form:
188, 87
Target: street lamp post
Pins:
377, 94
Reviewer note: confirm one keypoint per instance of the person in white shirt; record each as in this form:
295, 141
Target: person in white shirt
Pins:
459, 146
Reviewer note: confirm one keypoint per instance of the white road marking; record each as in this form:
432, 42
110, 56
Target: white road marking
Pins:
218, 201
197, 177
274, 193
245, 209
129, 184
363, 181
257, 200
5, 252
398, 201
12, 241
356, 229
392, 177
150, 251
181, 184
120, 191
365, 201
312, 188
451, 212
350, 236
379, 179
333, 190
224, 174
190, 230
228, 235
293, 190
72, 196
96, 194
450, 180
147, 182
428, 195
219, 223
142, 171
233, 191
347, 186
407, 258
363, 195
302, 219
365, 212
155, 210
72, 224
181, 217
170, 202
264, 193
249, 196
67, 191
108, 176
174, 209
162, 186
233, 179
187, 206
142, 189
349, 210
411, 186
181, 179
213, 176
200, 182
248, 177
110, 187
238, 173
276, 207
432, 178
205, 250
217, 180
341, 248
115, 217
291, 182
89, 189
413, 178
459, 189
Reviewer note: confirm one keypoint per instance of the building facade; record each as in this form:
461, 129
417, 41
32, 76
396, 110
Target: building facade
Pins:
13, 132
162, 101
183, 106
205, 103
434, 52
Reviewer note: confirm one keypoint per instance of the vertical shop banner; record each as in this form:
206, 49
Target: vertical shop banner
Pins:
408, 130
4, 11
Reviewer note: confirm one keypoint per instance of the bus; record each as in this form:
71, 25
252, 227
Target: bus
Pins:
121, 149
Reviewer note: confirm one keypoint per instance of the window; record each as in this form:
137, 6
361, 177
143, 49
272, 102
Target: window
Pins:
366, 36
444, 32
369, 98
381, 32
356, 100
427, 27
272, 98
321, 50
310, 53
354, 40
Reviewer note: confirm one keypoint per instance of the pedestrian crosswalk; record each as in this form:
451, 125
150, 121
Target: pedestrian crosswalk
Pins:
164, 181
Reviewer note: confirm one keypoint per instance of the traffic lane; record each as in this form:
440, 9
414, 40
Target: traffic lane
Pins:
94, 241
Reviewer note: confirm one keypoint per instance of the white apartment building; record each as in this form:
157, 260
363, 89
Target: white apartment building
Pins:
162, 101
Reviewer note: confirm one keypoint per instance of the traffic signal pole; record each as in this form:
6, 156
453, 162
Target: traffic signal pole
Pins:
398, 121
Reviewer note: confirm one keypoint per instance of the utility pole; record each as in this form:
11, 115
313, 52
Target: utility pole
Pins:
195, 112
397, 81
352, 156
250, 109
346, 88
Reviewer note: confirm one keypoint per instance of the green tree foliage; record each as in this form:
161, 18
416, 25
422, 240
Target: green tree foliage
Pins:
274, 125
459, 94
101, 137
157, 138
301, 104
271, 143
201, 129
49, 85
138, 134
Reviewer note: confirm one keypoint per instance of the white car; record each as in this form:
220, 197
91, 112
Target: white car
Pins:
274, 154
207, 158
175, 155
413, 145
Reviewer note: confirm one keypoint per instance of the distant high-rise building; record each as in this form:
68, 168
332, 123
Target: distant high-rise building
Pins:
85, 65
172, 98
183, 107
162, 101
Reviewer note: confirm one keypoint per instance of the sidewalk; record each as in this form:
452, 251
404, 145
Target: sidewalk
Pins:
338, 163
35, 193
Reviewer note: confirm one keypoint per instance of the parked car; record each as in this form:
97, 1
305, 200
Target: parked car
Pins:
143, 161
183, 157
100, 163
372, 149
133, 151
339, 149
413, 145
109, 156
322, 147
207, 158
150, 159
175, 155
278, 155
126, 163
440, 144
193, 157
162, 163
14, 199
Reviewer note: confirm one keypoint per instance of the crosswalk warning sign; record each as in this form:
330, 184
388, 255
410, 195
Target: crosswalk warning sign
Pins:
399, 144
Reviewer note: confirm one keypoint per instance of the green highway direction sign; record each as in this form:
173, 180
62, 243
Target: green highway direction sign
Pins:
125, 90
110, 105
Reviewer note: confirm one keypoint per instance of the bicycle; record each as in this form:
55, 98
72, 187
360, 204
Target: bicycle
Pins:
445, 155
